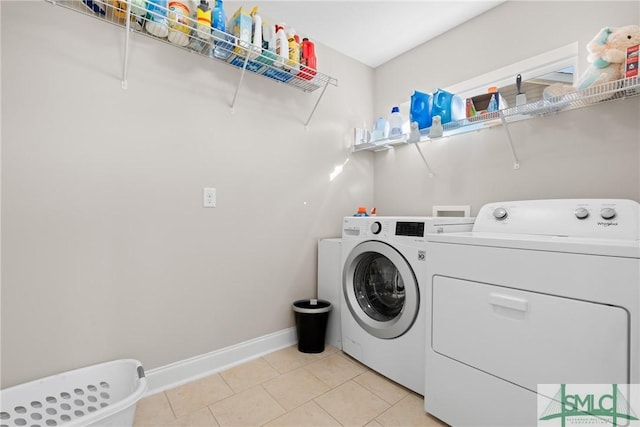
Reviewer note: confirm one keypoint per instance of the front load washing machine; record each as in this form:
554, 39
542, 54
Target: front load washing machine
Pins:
383, 276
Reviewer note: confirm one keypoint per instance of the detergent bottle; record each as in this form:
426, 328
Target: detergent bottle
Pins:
180, 18
157, 18
293, 40
442, 105
308, 60
268, 44
395, 123
282, 47
201, 34
138, 11
220, 49
256, 33
96, 6
421, 106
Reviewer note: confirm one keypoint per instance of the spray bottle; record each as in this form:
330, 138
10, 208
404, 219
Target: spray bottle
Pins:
282, 47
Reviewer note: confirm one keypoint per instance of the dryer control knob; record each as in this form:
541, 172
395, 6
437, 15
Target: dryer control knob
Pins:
608, 213
500, 214
376, 227
581, 213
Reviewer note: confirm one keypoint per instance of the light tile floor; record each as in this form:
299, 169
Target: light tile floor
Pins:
288, 388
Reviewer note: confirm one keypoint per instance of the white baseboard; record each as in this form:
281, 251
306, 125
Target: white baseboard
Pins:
184, 371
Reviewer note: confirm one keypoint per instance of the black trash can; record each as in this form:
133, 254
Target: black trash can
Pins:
311, 324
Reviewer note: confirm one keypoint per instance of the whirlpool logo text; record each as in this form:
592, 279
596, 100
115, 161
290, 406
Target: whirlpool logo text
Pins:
607, 223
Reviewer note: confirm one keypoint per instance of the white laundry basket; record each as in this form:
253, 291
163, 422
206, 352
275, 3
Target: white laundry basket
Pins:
100, 395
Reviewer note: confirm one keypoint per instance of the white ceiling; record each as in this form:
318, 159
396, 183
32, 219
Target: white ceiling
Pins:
373, 31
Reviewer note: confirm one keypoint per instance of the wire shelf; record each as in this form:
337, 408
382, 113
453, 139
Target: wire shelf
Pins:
618, 89
183, 32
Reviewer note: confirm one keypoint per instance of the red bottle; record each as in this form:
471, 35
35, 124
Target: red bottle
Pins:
308, 62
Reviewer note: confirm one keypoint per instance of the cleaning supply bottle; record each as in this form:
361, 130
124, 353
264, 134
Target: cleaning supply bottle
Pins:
395, 123
421, 109
493, 104
308, 61
380, 129
256, 33
201, 34
156, 24
362, 211
293, 40
96, 6
470, 108
139, 12
220, 48
282, 47
268, 44
180, 16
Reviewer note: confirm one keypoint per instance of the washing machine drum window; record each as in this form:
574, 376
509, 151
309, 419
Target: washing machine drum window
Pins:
378, 287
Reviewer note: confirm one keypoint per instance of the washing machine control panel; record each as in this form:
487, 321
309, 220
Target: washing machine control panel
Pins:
410, 228
401, 228
376, 227
600, 218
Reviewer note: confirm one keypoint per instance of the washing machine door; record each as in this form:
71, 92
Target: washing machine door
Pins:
380, 289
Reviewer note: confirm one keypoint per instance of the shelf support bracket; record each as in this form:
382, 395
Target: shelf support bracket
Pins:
244, 69
306, 124
125, 62
424, 159
516, 162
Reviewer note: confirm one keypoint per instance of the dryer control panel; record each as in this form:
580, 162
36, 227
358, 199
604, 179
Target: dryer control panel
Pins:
588, 218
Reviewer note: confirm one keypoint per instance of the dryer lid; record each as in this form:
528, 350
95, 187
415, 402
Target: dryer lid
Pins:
590, 226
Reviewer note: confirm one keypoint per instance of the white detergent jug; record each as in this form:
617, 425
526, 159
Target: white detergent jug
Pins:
157, 18
181, 14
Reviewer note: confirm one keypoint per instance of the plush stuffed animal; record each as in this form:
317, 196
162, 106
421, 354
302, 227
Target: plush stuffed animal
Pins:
607, 53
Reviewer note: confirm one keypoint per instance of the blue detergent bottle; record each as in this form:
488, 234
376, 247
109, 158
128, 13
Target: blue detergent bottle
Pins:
220, 49
442, 105
421, 109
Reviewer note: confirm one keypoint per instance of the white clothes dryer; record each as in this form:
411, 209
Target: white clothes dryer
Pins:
382, 307
539, 292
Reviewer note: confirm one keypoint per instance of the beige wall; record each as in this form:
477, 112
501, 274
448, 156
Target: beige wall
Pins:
590, 152
106, 249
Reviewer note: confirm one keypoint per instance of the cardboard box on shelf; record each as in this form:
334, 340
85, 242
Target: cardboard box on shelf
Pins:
631, 67
240, 27
481, 102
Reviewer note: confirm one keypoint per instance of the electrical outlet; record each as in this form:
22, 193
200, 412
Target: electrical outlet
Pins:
209, 197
